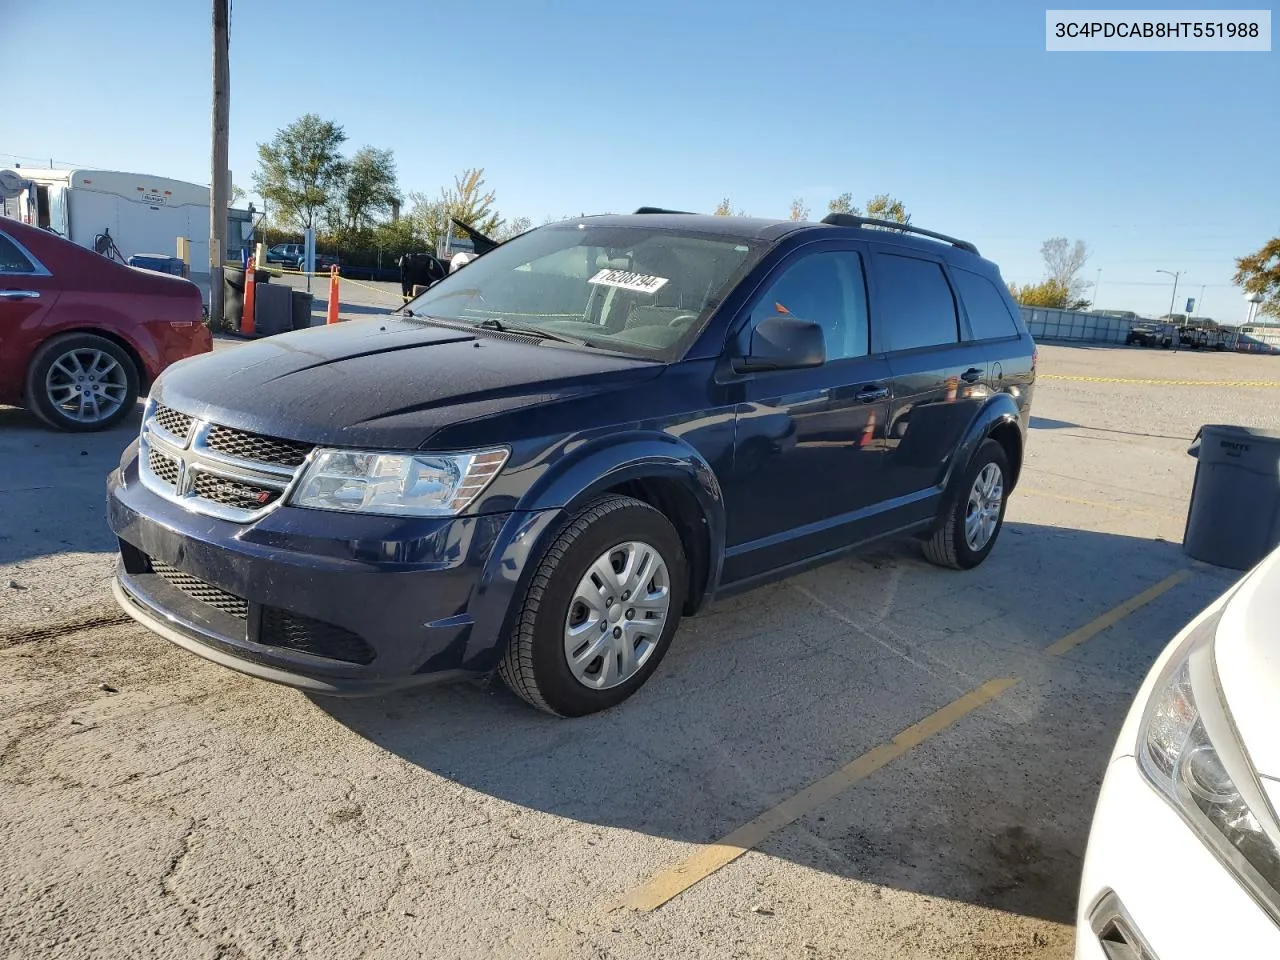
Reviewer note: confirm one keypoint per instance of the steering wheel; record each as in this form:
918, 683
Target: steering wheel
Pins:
683, 319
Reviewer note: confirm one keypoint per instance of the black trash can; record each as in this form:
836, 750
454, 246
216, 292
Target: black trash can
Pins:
302, 302
233, 295
272, 309
1234, 517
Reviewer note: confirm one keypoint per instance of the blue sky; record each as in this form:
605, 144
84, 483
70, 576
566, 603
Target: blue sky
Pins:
1155, 160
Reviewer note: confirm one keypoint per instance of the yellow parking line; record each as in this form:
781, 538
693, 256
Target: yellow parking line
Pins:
665, 886
1114, 615
1146, 381
1096, 503
709, 859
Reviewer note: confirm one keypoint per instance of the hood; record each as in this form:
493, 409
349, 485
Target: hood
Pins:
384, 383
1246, 651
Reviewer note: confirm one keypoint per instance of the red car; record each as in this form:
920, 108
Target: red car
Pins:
80, 335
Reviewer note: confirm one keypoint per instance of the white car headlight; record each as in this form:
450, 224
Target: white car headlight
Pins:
399, 484
1189, 751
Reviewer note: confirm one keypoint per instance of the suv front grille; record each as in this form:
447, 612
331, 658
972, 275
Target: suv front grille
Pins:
174, 423
253, 446
277, 627
197, 589
232, 474
165, 468
233, 493
292, 631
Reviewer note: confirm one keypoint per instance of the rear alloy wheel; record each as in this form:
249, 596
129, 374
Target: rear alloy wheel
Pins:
973, 520
81, 382
600, 611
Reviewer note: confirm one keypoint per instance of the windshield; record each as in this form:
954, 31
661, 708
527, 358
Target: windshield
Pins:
630, 289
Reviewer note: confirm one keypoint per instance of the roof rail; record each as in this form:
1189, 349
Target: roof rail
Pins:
849, 220
661, 210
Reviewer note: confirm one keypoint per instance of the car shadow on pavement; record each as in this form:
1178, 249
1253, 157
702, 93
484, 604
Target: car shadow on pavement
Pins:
767, 693
53, 485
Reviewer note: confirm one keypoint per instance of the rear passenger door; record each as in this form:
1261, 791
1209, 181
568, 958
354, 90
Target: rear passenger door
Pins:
991, 316
939, 377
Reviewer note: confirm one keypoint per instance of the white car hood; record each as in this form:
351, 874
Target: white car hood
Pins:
1247, 654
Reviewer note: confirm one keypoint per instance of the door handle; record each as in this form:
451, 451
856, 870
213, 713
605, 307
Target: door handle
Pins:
19, 294
872, 392
972, 375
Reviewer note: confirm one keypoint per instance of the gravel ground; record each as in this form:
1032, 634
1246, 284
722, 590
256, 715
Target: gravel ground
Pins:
155, 805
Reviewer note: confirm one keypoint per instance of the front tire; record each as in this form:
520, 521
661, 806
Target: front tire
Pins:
974, 519
81, 382
600, 612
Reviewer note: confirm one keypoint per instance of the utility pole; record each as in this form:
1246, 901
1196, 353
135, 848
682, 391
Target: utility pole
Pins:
218, 185
1096, 284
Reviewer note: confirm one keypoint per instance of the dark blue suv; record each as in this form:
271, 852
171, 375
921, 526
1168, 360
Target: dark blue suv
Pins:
553, 454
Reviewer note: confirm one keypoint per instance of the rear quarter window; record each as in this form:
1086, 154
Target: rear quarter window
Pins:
12, 260
989, 313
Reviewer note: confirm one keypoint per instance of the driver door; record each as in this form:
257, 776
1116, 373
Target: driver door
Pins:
807, 469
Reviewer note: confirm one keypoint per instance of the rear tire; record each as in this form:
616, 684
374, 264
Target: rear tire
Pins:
73, 366
973, 511
553, 617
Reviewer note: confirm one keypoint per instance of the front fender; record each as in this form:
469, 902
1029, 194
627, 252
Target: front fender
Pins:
610, 462
551, 503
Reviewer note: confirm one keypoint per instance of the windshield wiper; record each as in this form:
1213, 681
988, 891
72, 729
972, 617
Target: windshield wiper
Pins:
502, 326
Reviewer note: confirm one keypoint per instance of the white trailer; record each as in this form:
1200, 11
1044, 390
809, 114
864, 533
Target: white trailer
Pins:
141, 213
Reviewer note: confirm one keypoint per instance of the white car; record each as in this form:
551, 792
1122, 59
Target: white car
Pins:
1184, 853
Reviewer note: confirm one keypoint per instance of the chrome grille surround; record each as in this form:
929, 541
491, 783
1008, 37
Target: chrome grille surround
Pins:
201, 468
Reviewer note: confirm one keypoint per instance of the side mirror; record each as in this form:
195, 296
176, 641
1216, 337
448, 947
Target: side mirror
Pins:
783, 343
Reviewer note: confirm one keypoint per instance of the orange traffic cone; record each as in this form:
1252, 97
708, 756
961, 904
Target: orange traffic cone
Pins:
247, 327
333, 295
869, 431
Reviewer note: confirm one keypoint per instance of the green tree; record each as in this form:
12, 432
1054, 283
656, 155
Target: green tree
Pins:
1063, 262
884, 207
367, 192
1260, 273
238, 193
725, 209
467, 200
1047, 293
843, 204
799, 210
300, 170
512, 228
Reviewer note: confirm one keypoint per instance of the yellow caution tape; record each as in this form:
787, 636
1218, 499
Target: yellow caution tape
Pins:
1152, 382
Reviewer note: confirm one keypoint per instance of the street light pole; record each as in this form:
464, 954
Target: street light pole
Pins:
1173, 296
1096, 284
218, 186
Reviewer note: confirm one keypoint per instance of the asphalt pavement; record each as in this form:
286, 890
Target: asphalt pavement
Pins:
877, 758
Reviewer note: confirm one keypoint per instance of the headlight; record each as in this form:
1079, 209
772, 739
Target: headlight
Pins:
400, 484
1189, 751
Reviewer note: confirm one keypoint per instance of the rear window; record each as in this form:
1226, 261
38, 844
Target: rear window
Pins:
11, 258
988, 311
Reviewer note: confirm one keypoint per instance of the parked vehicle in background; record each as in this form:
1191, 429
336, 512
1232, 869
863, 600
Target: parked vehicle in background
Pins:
1149, 335
323, 262
1201, 338
1183, 858
284, 254
555, 453
80, 335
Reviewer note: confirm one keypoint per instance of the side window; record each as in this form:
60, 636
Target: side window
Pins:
11, 259
989, 313
917, 308
827, 288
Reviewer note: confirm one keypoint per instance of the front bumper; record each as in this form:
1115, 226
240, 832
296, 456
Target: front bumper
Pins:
1176, 896
333, 603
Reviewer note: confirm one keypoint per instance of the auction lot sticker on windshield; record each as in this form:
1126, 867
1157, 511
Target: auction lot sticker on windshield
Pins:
639, 282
